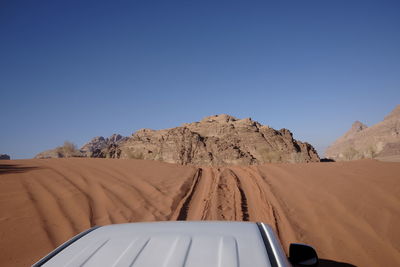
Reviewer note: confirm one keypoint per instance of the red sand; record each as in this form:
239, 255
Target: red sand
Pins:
350, 212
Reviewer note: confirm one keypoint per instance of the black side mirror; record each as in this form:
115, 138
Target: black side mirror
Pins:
302, 255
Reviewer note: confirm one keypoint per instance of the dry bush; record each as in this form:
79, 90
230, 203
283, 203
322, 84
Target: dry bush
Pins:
68, 150
371, 152
351, 154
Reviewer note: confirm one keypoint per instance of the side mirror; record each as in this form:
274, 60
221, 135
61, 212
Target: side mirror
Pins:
302, 255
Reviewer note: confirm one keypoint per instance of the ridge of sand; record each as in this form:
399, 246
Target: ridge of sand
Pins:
349, 211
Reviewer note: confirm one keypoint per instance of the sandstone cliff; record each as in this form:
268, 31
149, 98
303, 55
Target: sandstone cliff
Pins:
218, 140
215, 140
379, 140
100, 147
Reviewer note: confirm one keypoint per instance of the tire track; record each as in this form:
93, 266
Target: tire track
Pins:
41, 214
243, 199
229, 202
214, 176
81, 188
183, 211
228, 193
133, 196
59, 205
137, 188
119, 207
198, 200
93, 190
279, 211
141, 182
257, 191
226, 198
265, 193
56, 219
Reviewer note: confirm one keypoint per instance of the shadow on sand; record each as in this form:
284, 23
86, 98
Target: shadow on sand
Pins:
13, 168
330, 263
327, 160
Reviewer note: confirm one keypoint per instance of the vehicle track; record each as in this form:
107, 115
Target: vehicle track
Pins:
334, 207
215, 194
243, 198
183, 212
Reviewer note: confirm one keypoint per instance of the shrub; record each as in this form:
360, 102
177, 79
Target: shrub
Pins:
371, 152
68, 150
351, 154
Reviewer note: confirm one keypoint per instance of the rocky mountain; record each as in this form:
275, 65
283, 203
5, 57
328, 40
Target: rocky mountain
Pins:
100, 147
218, 140
4, 157
361, 141
65, 151
215, 140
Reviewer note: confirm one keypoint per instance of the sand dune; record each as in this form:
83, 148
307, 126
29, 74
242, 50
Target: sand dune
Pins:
349, 211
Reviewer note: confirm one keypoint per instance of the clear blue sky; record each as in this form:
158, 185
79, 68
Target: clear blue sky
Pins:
72, 70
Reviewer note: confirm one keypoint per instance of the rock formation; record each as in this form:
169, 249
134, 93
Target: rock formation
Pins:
4, 157
218, 140
65, 151
379, 140
215, 140
100, 147
47, 154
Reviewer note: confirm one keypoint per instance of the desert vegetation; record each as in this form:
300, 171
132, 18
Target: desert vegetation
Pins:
371, 152
351, 154
215, 140
68, 150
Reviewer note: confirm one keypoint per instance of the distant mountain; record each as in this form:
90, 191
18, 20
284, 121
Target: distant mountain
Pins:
379, 140
100, 147
215, 140
4, 157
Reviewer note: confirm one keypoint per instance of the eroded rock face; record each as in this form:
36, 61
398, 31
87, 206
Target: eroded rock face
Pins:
4, 157
218, 140
379, 140
47, 154
100, 147
67, 150
215, 140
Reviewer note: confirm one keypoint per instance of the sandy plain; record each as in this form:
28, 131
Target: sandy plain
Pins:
349, 211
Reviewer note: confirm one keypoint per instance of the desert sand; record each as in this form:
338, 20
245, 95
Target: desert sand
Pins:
349, 211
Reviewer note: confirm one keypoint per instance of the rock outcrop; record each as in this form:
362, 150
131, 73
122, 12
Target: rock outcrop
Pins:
215, 140
4, 157
48, 154
218, 140
100, 147
65, 151
379, 140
